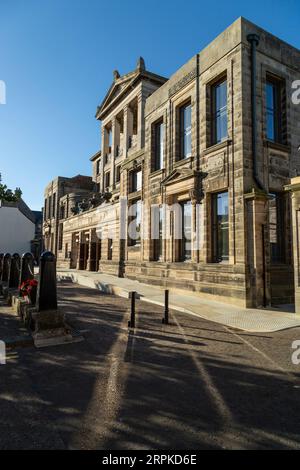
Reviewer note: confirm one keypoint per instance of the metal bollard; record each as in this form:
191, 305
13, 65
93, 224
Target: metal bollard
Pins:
165, 319
131, 322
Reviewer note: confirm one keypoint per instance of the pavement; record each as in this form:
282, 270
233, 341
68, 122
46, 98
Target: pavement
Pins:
192, 384
262, 320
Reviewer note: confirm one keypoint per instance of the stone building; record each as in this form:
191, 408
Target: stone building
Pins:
20, 228
201, 159
53, 212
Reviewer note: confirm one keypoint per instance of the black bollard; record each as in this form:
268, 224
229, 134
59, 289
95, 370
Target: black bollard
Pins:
47, 289
14, 272
131, 323
5, 267
165, 320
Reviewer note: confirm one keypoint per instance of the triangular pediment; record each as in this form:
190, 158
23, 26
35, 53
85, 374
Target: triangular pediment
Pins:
116, 90
122, 85
177, 175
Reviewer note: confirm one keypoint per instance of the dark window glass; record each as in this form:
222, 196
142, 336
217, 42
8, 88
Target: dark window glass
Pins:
185, 131
118, 174
98, 166
135, 221
159, 146
276, 227
136, 181
186, 252
109, 249
220, 227
45, 209
49, 206
54, 205
107, 180
219, 112
60, 237
157, 231
273, 110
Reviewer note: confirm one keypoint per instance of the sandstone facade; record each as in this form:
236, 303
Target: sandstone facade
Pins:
199, 125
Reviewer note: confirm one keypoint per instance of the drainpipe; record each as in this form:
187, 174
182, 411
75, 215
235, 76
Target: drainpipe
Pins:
254, 41
197, 112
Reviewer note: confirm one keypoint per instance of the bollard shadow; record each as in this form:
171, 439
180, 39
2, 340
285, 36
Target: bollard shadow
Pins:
188, 385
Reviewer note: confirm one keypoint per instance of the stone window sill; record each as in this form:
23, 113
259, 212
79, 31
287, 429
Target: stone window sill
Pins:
157, 172
216, 147
183, 161
277, 146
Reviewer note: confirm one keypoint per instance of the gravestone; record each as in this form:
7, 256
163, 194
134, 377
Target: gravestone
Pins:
27, 268
47, 289
49, 325
1, 264
14, 272
5, 267
5, 274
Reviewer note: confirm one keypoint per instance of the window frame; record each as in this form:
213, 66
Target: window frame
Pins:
184, 254
217, 257
277, 84
218, 113
159, 145
134, 181
183, 133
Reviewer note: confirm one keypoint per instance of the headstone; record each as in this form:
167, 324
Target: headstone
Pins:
47, 290
5, 267
27, 268
1, 263
14, 272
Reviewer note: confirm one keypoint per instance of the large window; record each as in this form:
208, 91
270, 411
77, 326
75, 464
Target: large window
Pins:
185, 116
107, 180
98, 166
136, 181
50, 207
118, 174
276, 224
45, 209
273, 110
186, 252
109, 248
159, 146
60, 236
135, 220
53, 205
220, 227
157, 232
219, 112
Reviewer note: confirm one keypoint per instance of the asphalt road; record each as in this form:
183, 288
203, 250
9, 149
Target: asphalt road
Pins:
192, 384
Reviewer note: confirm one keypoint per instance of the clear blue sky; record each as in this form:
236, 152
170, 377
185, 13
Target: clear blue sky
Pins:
57, 58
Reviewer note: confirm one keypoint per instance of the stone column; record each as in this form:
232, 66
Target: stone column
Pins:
258, 275
141, 121
115, 144
90, 260
125, 131
294, 189
104, 151
78, 243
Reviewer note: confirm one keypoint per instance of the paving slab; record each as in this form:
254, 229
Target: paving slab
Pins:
192, 384
252, 320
